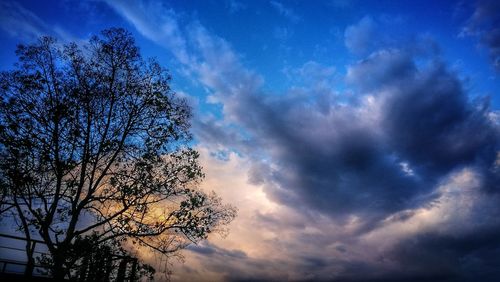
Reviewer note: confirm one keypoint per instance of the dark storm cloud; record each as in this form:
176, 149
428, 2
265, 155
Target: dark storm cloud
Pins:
427, 117
341, 163
430, 123
485, 23
330, 163
459, 258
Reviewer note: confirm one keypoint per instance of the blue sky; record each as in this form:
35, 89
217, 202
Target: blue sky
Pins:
359, 139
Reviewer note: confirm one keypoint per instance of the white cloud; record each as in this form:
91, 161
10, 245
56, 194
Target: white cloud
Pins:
155, 22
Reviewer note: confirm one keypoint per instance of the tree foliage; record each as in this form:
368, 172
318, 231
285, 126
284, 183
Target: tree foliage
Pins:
93, 142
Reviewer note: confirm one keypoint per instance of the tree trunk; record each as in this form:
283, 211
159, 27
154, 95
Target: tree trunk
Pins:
30, 265
58, 272
122, 269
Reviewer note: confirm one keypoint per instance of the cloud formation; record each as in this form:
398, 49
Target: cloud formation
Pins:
375, 164
380, 173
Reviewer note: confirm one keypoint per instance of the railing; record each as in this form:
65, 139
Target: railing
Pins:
109, 268
16, 253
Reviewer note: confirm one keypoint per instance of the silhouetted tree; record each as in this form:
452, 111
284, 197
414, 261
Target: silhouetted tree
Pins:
93, 142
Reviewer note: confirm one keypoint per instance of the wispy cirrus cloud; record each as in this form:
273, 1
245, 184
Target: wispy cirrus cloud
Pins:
161, 28
235, 6
285, 11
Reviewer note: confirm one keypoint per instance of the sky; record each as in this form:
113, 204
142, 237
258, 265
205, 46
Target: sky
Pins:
360, 140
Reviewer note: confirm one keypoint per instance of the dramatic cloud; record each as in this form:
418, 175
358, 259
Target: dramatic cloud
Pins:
351, 159
381, 167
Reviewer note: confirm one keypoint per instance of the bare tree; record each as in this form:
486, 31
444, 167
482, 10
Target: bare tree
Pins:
93, 142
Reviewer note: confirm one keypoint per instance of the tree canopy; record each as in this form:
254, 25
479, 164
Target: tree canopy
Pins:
95, 144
